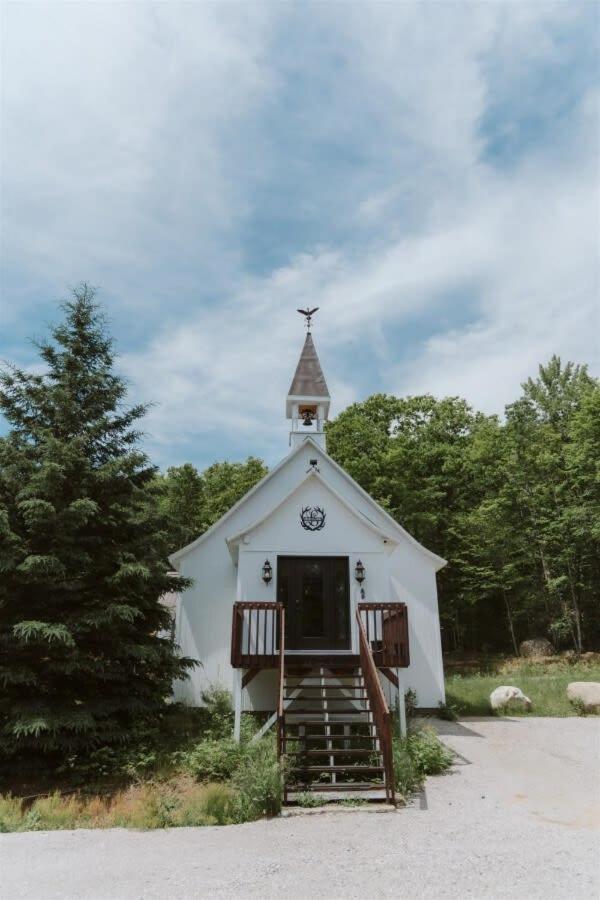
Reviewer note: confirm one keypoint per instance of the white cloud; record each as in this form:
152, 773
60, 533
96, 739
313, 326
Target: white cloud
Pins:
116, 122
141, 173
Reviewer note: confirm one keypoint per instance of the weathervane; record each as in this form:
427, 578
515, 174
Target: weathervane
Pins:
308, 314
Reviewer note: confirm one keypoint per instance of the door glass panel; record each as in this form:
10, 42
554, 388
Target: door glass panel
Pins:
340, 600
313, 618
283, 592
315, 593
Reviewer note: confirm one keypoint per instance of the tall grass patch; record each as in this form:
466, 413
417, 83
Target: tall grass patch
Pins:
546, 686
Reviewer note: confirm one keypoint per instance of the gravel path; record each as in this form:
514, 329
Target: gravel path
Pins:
519, 817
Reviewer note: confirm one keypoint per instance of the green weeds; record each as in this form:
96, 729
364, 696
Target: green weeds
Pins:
419, 754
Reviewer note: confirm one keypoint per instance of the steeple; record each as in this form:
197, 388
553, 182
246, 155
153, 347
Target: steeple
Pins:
308, 399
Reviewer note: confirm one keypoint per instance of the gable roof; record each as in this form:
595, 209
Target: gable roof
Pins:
235, 539
396, 528
309, 380
253, 490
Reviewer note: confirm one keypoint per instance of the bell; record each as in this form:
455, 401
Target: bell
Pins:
307, 419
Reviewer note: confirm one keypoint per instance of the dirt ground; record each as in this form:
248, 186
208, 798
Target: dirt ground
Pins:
519, 817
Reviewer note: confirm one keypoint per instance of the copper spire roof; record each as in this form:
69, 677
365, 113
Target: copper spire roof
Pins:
309, 380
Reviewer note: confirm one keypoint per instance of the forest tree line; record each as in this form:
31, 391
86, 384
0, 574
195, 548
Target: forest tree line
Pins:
512, 503
87, 524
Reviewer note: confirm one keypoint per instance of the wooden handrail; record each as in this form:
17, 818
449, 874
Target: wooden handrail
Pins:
280, 706
281, 658
255, 635
379, 707
386, 626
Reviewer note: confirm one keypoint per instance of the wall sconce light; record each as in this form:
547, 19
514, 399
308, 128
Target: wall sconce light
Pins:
359, 572
267, 572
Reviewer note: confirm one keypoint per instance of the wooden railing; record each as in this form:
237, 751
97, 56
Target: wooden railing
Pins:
386, 627
379, 707
257, 635
280, 706
258, 642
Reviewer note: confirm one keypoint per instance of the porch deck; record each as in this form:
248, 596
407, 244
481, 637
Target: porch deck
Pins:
321, 692
256, 631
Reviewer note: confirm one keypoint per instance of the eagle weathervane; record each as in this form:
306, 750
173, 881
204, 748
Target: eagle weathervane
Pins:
308, 314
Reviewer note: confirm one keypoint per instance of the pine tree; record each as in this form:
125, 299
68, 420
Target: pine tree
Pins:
83, 647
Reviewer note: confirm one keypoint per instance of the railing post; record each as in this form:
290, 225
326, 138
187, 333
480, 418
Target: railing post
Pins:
237, 723
379, 706
401, 704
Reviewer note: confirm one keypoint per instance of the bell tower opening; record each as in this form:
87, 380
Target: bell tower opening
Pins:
308, 399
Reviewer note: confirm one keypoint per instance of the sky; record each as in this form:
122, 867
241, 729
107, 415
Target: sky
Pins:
425, 173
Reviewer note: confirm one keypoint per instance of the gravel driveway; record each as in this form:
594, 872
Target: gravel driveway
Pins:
519, 817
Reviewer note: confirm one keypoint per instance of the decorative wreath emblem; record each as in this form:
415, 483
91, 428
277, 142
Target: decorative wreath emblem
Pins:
312, 518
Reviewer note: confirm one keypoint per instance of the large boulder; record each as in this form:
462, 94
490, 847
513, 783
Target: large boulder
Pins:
586, 693
536, 647
505, 696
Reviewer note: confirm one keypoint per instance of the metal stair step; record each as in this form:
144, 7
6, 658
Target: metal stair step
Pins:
317, 682
339, 694
296, 698
355, 770
317, 738
324, 709
321, 713
338, 751
340, 786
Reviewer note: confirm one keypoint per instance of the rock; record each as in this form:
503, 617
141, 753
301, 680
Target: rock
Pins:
585, 692
536, 647
505, 696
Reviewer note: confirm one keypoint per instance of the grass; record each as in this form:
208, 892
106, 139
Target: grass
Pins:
185, 771
545, 683
178, 802
308, 800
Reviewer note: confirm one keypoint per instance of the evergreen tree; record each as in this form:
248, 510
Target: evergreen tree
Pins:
83, 646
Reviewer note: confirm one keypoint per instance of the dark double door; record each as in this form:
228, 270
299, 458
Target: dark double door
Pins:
314, 590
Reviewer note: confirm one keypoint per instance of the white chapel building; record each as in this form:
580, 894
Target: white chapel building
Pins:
308, 581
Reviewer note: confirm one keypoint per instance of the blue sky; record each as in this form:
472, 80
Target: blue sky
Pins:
426, 173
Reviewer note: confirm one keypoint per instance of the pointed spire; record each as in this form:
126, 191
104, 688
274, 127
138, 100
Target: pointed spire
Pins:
309, 380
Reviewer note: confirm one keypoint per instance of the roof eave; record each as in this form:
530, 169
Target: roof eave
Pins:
237, 538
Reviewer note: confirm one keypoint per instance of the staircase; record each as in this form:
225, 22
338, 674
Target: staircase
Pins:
329, 736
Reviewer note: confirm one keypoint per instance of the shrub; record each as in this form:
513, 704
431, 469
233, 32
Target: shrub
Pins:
419, 754
410, 703
11, 817
212, 760
219, 710
258, 780
406, 776
447, 711
429, 754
